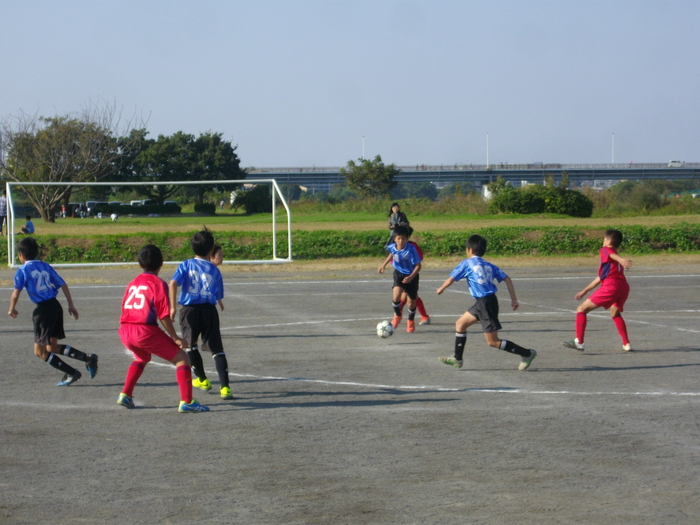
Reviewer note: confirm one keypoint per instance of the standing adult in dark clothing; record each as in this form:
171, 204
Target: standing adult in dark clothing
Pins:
396, 218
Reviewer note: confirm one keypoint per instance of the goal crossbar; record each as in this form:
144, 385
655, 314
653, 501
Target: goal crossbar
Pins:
275, 194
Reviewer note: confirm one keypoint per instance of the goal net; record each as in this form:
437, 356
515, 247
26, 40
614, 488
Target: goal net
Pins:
281, 251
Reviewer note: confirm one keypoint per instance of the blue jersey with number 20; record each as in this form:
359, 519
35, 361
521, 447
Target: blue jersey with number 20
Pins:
40, 279
480, 275
201, 282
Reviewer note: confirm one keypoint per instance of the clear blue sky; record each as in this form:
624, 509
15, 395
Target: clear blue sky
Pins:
301, 82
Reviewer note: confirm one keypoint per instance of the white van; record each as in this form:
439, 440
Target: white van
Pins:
675, 164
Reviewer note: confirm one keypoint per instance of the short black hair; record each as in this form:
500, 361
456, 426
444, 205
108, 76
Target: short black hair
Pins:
28, 248
217, 248
477, 244
615, 237
404, 230
150, 258
29, 217
202, 243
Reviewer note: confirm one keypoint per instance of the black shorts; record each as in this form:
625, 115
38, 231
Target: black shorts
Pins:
411, 288
201, 320
48, 321
486, 311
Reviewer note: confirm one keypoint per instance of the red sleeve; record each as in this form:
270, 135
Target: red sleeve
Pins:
420, 252
161, 301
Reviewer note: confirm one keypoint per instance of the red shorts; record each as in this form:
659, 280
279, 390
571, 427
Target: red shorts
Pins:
613, 292
146, 339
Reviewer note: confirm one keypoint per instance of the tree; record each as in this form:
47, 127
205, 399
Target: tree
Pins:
80, 147
182, 157
370, 178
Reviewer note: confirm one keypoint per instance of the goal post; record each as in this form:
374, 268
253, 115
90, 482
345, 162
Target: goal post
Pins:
276, 197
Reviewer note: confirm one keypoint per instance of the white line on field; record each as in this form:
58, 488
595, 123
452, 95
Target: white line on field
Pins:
418, 388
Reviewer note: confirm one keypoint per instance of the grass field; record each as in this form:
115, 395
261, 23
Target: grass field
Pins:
331, 221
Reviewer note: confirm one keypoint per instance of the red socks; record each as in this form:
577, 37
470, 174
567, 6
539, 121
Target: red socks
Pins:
581, 320
421, 307
132, 376
621, 329
184, 381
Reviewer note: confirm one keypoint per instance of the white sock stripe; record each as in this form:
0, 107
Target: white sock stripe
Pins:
461, 334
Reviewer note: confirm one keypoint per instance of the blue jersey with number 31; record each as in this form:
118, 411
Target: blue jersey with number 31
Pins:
201, 282
40, 279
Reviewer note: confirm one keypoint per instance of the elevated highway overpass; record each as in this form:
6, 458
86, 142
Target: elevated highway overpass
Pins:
322, 179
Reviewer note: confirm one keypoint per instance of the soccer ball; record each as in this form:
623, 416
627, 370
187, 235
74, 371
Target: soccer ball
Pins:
385, 329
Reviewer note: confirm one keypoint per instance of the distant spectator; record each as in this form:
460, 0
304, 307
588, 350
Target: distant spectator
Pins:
3, 212
28, 228
114, 217
396, 218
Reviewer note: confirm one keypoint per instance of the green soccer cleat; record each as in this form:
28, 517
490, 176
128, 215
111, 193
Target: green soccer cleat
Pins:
457, 363
526, 361
226, 393
125, 401
192, 407
203, 384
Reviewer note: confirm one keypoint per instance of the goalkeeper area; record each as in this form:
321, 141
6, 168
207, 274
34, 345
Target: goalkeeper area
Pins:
333, 425
280, 218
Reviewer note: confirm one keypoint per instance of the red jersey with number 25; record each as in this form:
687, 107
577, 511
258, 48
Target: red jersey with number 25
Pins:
145, 300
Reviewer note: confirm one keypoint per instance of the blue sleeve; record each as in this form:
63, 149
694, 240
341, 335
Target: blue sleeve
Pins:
498, 274
179, 275
56, 279
459, 273
19, 280
415, 256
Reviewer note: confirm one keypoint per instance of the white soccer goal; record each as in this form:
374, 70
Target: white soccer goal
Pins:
275, 195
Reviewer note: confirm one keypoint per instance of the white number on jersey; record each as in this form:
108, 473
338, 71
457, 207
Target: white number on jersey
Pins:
43, 280
136, 300
200, 287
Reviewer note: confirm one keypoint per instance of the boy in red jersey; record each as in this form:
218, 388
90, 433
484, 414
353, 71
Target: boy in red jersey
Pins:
146, 301
612, 293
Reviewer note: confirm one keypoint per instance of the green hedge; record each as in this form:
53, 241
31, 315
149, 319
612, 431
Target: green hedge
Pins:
503, 241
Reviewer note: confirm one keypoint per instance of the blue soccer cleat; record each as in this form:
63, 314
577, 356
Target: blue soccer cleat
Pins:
192, 407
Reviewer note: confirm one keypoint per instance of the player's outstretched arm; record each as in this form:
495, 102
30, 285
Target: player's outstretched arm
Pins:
625, 263
511, 290
170, 329
172, 295
12, 312
386, 261
413, 274
595, 282
71, 309
448, 282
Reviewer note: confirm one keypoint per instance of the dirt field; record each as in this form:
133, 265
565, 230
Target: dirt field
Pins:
332, 424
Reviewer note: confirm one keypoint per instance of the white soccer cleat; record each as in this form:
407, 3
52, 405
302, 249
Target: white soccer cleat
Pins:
627, 347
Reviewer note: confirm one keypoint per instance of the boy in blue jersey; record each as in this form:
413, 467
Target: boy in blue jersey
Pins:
202, 286
42, 283
407, 263
480, 275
